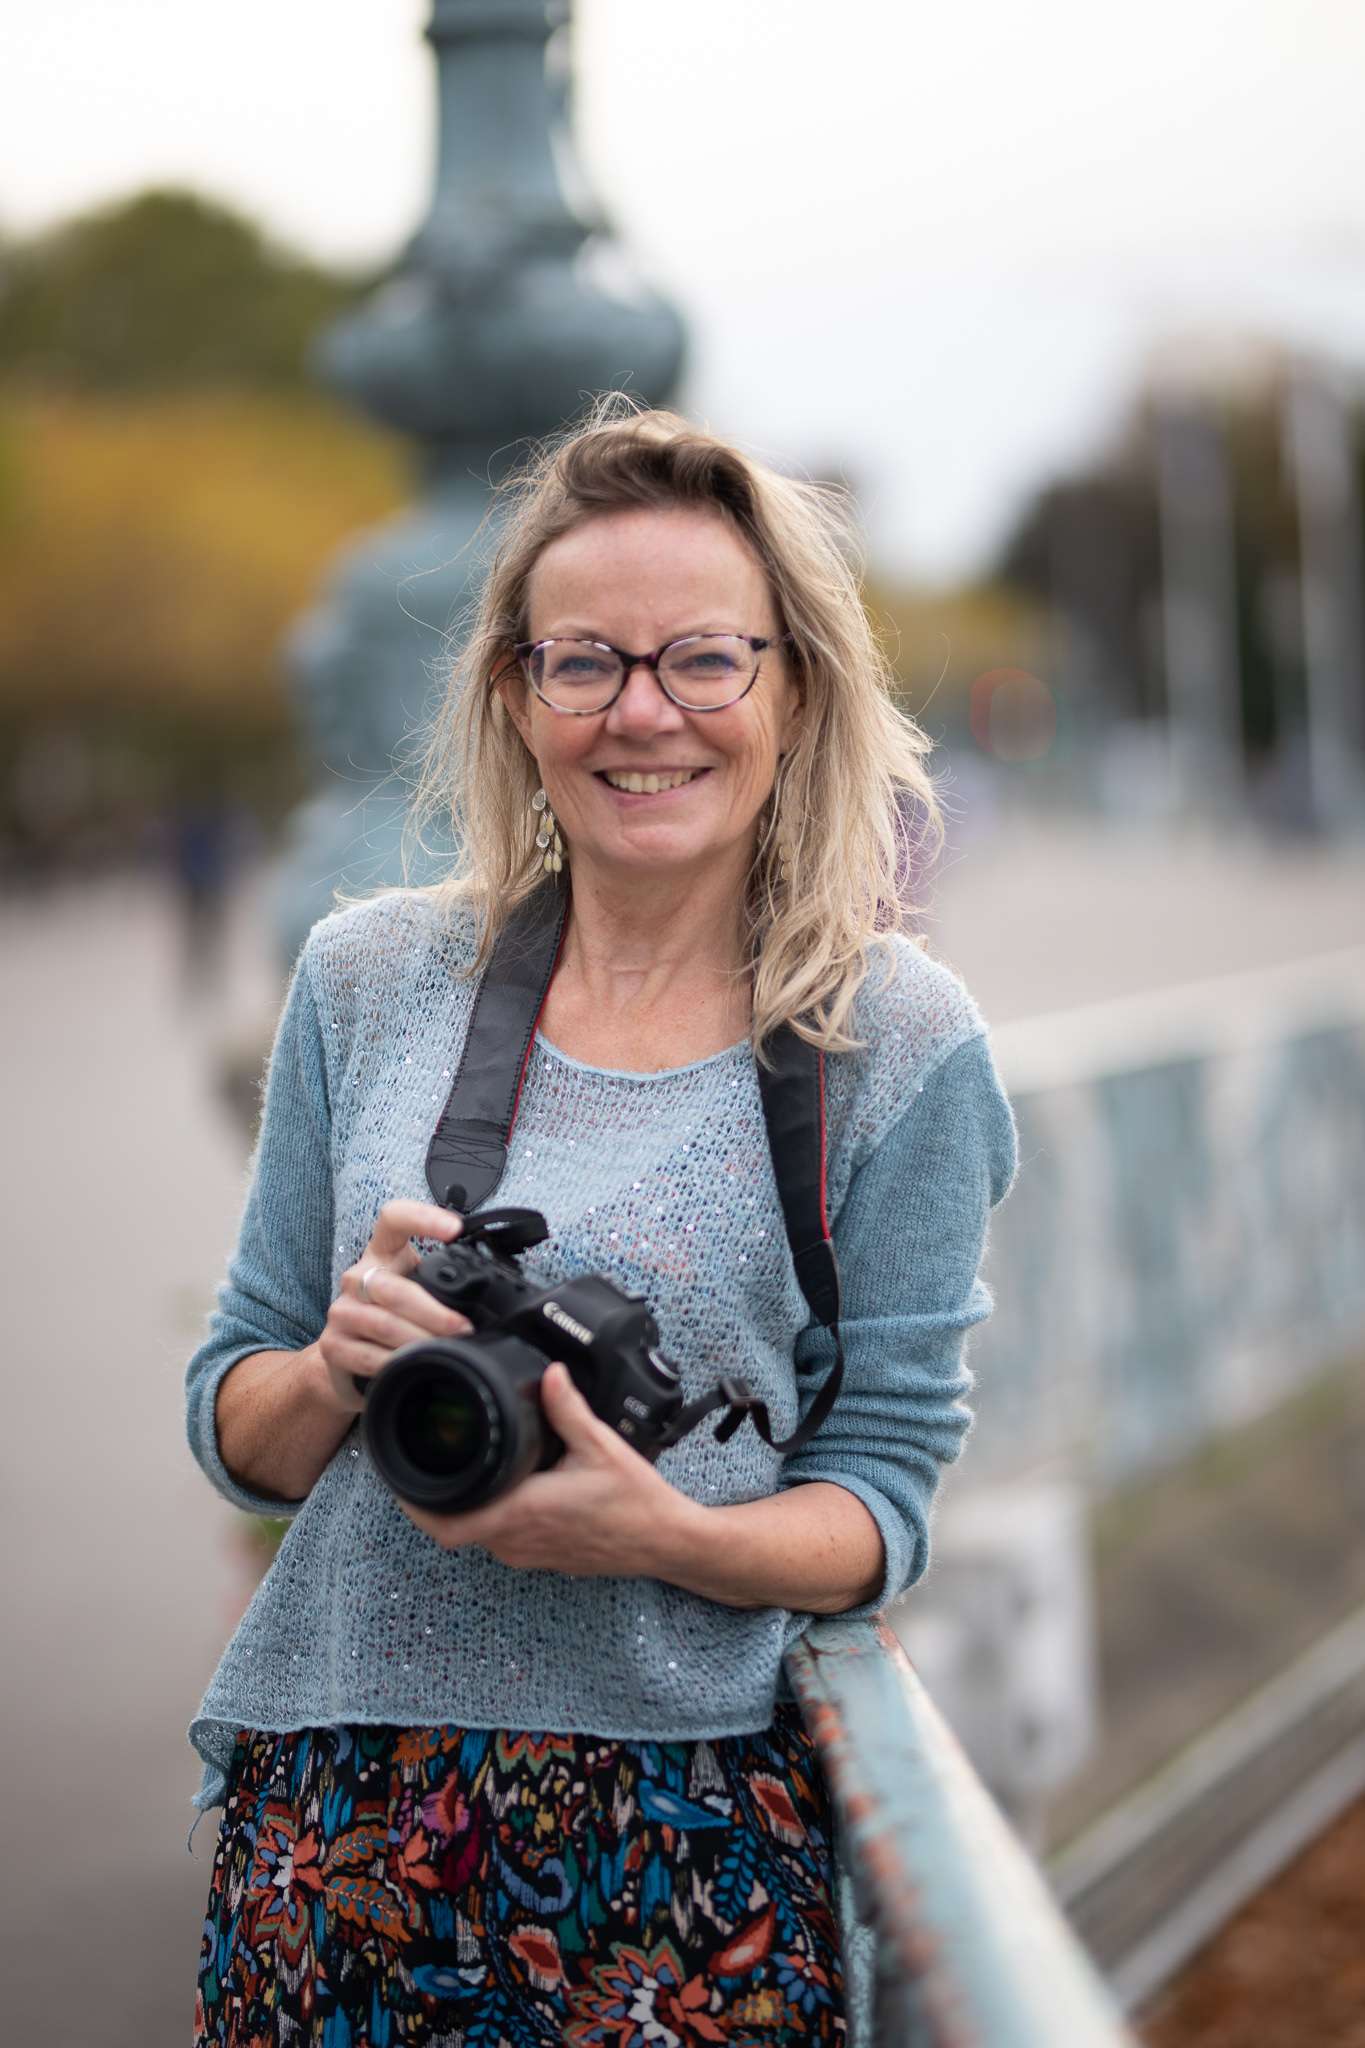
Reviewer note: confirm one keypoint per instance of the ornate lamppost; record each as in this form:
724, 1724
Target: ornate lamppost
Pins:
509, 308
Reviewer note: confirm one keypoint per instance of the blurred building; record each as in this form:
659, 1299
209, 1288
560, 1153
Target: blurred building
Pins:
1204, 585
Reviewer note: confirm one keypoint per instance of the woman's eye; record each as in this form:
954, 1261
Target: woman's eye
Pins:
578, 668
710, 663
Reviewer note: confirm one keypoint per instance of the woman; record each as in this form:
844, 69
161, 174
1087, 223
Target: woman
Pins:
531, 1773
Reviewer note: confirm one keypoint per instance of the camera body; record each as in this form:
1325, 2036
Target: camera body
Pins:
451, 1423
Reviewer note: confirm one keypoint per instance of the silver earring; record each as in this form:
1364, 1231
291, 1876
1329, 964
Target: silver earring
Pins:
549, 845
786, 849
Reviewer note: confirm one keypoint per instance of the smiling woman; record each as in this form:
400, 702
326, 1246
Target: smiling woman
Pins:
670, 690
636, 531
659, 804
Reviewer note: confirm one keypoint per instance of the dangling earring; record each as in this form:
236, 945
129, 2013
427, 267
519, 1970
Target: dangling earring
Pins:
786, 849
549, 845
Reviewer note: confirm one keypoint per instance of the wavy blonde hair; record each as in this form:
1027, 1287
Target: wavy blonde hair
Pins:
858, 807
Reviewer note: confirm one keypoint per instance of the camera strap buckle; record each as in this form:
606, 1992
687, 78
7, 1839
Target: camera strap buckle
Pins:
739, 1402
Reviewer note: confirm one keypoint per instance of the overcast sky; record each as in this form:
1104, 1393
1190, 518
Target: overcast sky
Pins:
936, 244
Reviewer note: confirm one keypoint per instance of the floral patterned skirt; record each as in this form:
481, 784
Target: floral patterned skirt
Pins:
470, 1888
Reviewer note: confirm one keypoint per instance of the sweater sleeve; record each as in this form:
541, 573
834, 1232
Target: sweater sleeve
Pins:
278, 1286
910, 1238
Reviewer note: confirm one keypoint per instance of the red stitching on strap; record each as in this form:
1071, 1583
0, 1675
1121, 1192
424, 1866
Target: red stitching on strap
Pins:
824, 1211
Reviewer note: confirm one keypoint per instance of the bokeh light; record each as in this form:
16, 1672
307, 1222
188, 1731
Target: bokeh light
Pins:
1012, 714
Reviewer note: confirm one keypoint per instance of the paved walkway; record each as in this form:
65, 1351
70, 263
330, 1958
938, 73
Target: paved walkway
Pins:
119, 1208
1037, 917
120, 1204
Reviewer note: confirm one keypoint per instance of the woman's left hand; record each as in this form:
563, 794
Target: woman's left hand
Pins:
602, 1511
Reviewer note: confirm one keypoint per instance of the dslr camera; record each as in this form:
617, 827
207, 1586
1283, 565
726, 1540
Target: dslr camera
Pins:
452, 1422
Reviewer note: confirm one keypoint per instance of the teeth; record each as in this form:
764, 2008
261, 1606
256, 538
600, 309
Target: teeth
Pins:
648, 785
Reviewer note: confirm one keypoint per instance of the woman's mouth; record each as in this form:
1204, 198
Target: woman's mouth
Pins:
633, 782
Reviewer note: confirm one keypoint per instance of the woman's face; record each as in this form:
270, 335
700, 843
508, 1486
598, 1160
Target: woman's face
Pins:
638, 579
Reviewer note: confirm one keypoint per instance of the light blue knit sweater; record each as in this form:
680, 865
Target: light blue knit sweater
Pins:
662, 1181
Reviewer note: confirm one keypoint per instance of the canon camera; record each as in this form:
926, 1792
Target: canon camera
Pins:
452, 1422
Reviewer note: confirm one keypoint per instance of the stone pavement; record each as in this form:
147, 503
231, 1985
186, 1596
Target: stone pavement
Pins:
123, 1184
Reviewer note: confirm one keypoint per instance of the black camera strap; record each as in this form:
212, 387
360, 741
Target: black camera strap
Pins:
467, 1156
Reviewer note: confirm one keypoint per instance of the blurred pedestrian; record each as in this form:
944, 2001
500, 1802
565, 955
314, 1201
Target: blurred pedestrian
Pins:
201, 849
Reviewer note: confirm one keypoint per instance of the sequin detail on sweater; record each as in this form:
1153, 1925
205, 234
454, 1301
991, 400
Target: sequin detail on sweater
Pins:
662, 1181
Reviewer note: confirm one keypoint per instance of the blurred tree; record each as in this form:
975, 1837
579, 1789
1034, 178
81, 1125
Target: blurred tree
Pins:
153, 553
1266, 531
164, 291
1089, 546
170, 489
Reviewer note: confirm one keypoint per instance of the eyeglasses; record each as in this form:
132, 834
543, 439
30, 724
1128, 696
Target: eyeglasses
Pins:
703, 672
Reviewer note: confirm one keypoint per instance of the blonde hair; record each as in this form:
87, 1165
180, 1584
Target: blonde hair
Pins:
858, 807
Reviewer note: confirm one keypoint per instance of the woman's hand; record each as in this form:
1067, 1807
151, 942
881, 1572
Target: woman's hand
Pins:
379, 1308
602, 1511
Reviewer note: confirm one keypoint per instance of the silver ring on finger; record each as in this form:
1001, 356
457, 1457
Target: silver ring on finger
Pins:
365, 1280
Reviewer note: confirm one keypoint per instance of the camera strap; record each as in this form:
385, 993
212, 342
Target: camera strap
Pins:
467, 1156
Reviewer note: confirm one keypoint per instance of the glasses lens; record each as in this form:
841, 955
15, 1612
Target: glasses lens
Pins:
574, 675
708, 671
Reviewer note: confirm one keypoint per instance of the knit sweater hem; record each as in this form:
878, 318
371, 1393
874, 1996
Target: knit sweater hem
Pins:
214, 1738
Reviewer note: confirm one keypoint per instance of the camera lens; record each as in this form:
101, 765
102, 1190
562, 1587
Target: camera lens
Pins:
451, 1423
443, 1430
439, 1429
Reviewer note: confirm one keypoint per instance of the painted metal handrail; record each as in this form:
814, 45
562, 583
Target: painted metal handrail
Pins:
954, 1925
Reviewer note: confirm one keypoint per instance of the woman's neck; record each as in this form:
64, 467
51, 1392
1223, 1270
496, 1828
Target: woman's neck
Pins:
653, 970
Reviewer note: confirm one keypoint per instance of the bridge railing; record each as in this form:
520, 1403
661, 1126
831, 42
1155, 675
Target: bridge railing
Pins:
956, 1941
1186, 1245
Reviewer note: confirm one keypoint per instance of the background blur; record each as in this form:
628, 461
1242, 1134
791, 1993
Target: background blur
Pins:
1075, 303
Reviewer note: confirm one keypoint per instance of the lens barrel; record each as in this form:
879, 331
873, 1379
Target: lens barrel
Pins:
450, 1423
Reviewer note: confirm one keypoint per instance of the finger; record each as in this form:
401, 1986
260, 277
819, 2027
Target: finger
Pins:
398, 1221
387, 1290
454, 1532
347, 1362
365, 1322
348, 1351
568, 1413
360, 1278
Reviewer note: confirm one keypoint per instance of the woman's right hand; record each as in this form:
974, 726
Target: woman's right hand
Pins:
380, 1308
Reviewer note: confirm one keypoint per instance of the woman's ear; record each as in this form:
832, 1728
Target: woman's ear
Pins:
510, 686
794, 710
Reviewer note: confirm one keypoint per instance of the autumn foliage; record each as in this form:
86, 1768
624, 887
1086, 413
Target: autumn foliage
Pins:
173, 487
153, 550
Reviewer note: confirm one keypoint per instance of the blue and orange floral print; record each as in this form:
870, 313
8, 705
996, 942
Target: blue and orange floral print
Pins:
465, 1888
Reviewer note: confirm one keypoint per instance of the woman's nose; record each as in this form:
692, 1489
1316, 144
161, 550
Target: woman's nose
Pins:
642, 707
